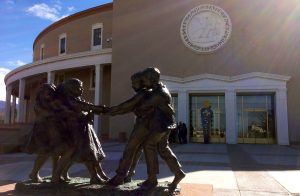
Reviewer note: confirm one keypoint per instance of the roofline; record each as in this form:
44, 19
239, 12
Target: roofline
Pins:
72, 17
53, 60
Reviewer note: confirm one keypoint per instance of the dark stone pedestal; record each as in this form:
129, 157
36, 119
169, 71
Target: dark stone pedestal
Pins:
81, 186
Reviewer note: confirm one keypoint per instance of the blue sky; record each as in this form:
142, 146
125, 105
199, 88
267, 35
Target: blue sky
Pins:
22, 20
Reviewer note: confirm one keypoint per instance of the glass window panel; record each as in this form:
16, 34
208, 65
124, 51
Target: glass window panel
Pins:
174, 103
42, 53
218, 129
97, 37
255, 118
62, 45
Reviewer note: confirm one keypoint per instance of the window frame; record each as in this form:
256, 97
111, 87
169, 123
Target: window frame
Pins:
62, 36
97, 26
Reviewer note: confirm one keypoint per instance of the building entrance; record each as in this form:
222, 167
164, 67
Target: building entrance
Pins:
216, 121
256, 119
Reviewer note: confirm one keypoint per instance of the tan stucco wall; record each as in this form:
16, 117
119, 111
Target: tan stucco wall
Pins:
78, 34
265, 38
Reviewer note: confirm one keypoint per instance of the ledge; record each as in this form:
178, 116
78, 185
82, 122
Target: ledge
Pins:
81, 186
57, 59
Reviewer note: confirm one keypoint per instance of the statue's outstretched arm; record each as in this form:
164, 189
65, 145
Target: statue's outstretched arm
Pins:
127, 106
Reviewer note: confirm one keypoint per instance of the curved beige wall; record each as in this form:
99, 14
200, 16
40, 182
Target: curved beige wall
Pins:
78, 32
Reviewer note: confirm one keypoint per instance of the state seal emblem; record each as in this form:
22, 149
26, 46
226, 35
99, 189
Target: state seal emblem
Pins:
205, 28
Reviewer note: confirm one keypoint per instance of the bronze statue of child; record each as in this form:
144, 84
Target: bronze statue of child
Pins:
85, 145
133, 148
154, 121
47, 138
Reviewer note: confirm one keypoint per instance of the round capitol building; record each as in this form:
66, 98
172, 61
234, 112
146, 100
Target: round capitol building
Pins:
239, 58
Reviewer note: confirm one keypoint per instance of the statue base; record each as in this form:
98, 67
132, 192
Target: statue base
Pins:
81, 186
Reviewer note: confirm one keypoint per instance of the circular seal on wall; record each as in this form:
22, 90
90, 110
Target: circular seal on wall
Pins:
205, 28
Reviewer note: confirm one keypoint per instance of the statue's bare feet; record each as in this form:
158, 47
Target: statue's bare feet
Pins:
35, 178
116, 181
57, 180
178, 177
127, 179
104, 176
97, 180
148, 184
66, 177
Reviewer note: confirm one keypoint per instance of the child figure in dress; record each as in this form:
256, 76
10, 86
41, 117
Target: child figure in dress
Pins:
86, 147
47, 138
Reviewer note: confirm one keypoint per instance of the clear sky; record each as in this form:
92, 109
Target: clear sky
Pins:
22, 20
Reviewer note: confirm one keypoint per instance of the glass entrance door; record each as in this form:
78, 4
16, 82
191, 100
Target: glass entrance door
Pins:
174, 104
256, 122
217, 133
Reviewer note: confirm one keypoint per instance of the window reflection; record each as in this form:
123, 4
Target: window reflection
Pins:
255, 118
174, 103
218, 129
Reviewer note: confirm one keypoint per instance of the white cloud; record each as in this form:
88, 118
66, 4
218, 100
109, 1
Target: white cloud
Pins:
11, 2
56, 2
58, 7
71, 8
3, 72
16, 63
43, 11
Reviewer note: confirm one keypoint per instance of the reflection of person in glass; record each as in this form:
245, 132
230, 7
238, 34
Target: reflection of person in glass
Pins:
206, 120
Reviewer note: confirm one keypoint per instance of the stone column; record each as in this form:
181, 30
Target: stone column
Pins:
183, 108
230, 110
21, 112
13, 109
98, 96
26, 102
7, 118
282, 117
50, 77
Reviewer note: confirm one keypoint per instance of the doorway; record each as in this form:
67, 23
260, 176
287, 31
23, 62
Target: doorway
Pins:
217, 134
256, 119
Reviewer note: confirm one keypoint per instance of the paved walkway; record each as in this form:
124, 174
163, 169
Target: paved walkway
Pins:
231, 169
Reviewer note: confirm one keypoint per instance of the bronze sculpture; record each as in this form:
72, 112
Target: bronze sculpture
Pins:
85, 146
71, 136
152, 129
140, 130
75, 140
161, 124
48, 137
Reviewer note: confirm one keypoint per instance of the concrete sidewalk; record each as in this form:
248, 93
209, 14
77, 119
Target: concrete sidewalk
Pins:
230, 169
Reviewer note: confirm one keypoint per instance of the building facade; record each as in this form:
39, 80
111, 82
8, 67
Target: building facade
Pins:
240, 56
